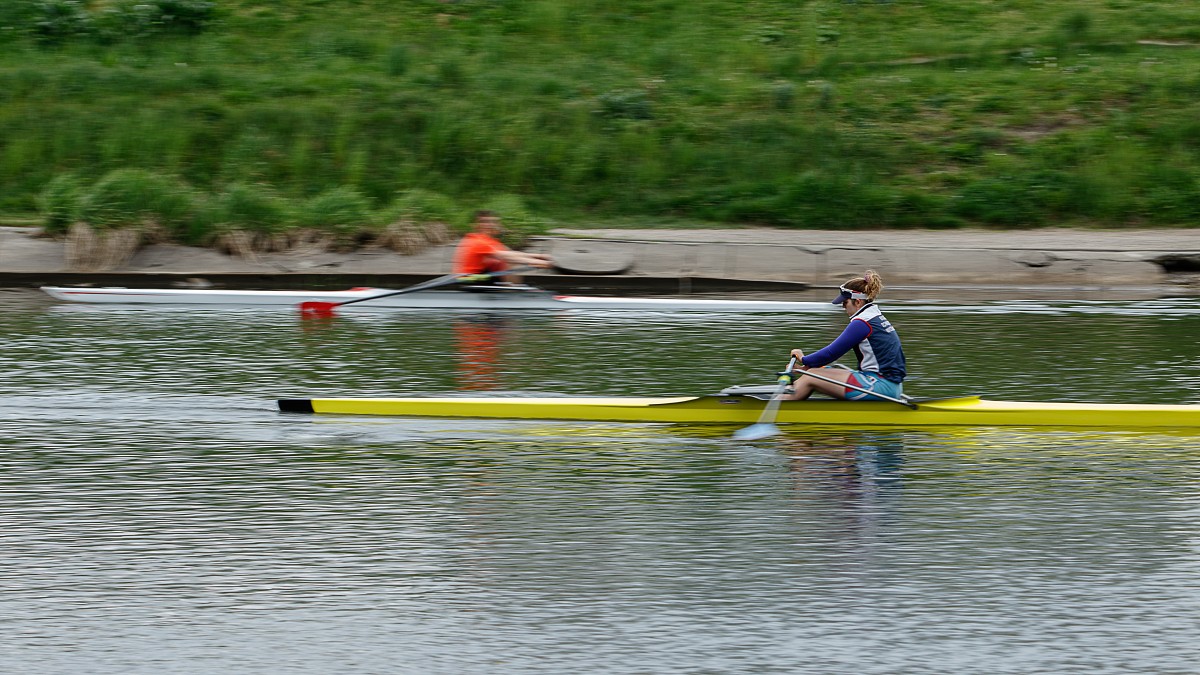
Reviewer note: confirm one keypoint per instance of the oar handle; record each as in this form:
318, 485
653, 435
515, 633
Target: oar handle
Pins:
786, 375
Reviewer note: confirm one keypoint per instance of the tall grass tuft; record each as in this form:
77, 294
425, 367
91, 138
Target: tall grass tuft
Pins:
417, 218
244, 219
343, 213
424, 206
398, 61
61, 203
135, 198
252, 208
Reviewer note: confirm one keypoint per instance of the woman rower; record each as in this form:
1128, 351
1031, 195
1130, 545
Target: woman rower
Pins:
874, 341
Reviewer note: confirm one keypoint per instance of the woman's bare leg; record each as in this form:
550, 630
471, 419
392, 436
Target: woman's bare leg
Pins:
805, 386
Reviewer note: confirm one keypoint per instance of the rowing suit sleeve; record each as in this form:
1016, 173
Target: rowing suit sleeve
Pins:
855, 332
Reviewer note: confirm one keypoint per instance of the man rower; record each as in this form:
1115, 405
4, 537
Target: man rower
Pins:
481, 251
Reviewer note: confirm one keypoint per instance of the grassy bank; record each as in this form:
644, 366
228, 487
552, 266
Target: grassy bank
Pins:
808, 114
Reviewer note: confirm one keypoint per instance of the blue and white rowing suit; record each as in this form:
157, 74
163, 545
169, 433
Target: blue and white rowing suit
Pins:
877, 346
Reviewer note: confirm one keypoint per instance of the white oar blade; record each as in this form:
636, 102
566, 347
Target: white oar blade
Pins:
755, 432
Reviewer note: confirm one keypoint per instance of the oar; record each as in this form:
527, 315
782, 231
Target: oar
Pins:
766, 422
318, 308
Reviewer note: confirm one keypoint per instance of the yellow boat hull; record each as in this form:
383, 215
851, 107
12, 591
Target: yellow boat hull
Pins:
718, 409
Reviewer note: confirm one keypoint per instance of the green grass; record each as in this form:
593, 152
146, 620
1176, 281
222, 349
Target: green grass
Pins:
825, 113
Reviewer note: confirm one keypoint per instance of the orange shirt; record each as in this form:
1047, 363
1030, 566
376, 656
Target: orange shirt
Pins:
476, 254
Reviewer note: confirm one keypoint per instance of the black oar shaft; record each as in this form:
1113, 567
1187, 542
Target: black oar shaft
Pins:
432, 283
327, 308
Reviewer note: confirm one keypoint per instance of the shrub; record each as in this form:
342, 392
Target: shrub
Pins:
629, 104
186, 16
126, 197
1014, 201
450, 72
1171, 195
783, 95
16, 14
342, 211
61, 202
398, 60
921, 209
423, 206
126, 20
57, 21
1075, 27
811, 199
249, 207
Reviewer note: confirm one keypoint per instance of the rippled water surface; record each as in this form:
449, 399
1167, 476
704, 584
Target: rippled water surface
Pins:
158, 515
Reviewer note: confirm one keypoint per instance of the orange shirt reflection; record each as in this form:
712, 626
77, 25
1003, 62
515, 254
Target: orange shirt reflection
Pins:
479, 350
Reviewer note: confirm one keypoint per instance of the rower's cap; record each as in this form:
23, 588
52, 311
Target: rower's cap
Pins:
847, 294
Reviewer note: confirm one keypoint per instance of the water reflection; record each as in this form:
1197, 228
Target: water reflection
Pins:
313, 323
854, 466
479, 340
853, 477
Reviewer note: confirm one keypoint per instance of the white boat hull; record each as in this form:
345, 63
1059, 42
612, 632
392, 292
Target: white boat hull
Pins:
453, 299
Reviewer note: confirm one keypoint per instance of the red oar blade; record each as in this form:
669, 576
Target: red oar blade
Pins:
315, 308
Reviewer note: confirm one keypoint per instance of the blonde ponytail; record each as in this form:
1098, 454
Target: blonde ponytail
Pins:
869, 283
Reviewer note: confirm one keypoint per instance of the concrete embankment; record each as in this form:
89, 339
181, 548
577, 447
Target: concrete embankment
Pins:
1060, 257
673, 261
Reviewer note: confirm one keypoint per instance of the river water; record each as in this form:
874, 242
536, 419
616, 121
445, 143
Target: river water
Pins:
158, 515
